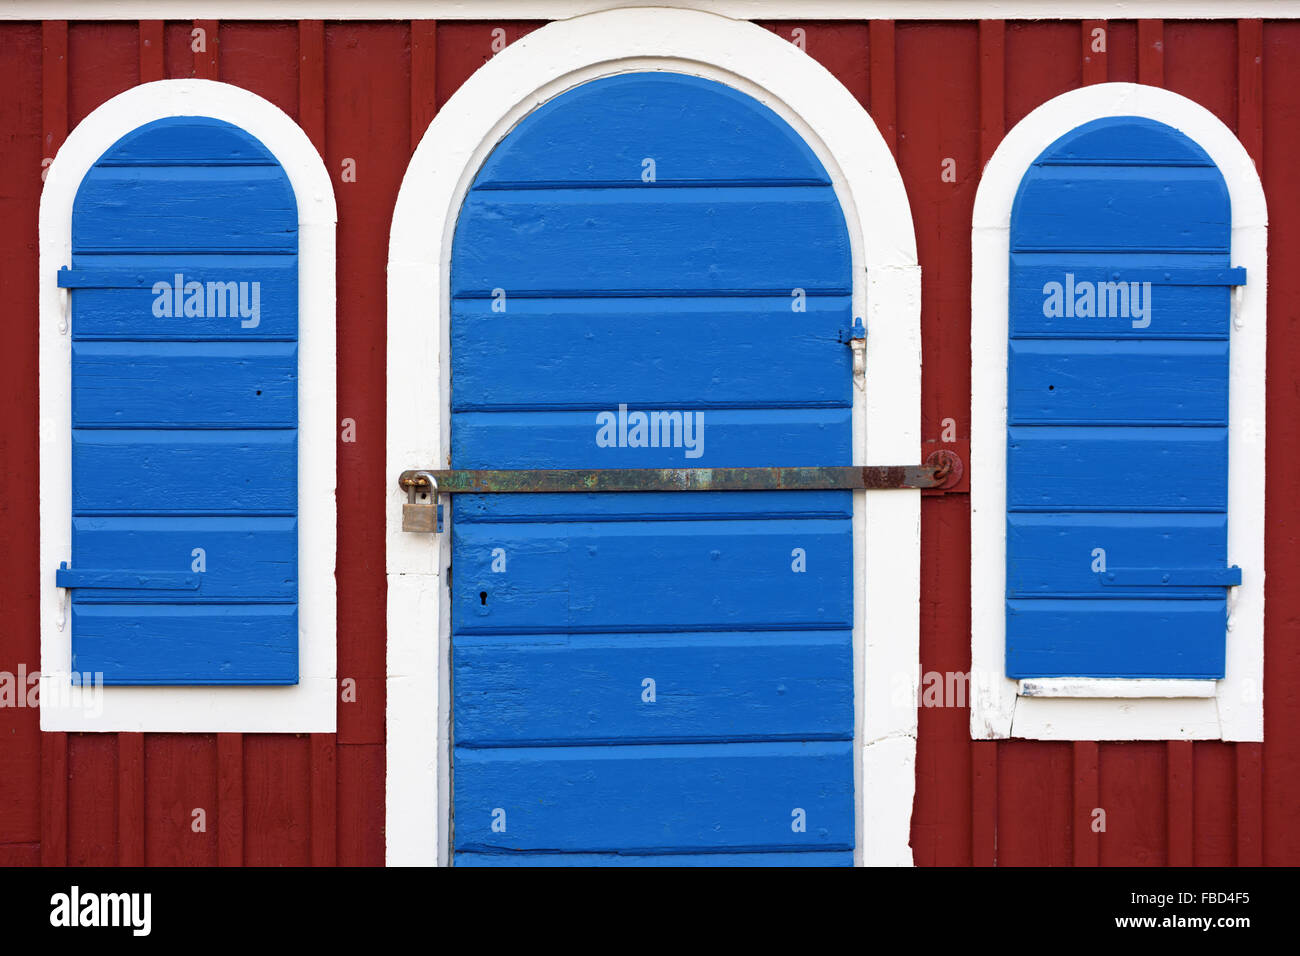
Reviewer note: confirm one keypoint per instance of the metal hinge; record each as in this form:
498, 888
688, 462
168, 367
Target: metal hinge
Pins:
66, 577
855, 336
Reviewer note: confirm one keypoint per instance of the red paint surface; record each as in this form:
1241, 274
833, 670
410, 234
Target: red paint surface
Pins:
365, 91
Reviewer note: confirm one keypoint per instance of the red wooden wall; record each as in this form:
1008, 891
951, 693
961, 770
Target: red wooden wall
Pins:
366, 91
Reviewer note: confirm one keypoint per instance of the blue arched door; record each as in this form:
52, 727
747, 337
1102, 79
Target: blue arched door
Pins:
652, 270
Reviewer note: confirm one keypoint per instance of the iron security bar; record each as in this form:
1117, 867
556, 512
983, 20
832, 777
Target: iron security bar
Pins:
942, 469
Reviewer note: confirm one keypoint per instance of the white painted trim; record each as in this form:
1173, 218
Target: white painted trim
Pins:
886, 416
1235, 712
1125, 688
308, 706
803, 10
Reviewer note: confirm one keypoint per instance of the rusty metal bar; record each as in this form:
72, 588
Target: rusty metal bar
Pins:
942, 469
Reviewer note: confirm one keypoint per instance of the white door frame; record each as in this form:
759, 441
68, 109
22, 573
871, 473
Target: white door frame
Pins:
886, 413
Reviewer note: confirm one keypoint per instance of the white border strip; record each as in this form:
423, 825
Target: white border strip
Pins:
1107, 687
308, 706
886, 417
801, 10
1236, 711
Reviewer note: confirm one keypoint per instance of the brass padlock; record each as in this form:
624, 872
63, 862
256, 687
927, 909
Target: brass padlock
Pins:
424, 517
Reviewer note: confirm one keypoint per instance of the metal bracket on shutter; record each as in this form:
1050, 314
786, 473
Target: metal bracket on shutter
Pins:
855, 336
1173, 577
66, 577
941, 471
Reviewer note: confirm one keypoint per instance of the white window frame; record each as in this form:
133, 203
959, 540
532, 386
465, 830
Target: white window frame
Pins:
1115, 709
886, 416
309, 705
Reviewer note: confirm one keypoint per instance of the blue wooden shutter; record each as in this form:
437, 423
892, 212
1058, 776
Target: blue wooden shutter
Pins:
184, 285
1117, 408
632, 248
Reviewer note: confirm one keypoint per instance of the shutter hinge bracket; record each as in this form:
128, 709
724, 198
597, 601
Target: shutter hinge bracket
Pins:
856, 338
64, 298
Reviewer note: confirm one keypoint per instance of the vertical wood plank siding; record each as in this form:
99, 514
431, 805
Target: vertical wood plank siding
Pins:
365, 91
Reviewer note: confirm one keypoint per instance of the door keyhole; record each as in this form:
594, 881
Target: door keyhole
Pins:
482, 598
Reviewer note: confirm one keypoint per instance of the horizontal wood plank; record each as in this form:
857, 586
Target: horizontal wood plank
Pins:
1054, 555
684, 575
147, 472
718, 437
1069, 382
656, 352
830, 858
1117, 468
126, 297
655, 798
242, 559
714, 240
1138, 208
193, 644
185, 209
1118, 638
654, 688
184, 385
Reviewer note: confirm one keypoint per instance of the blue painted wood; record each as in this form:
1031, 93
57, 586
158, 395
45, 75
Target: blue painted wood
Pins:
1116, 637
687, 352
184, 409
1175, 578
592, 688
1123, 141
707, 241
695, 130
186, 644
213, 471
1117, 445
185, 384
672, 298
118, 300
1143, 382
729, 437
1146, 209
67, 577
1052, 555
187, 140
186, 209
832, 858
1189, 292
655, 798
1102, 468
244, 560
580, 582
651, 506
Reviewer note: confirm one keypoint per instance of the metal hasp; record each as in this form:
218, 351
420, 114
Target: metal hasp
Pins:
942, 470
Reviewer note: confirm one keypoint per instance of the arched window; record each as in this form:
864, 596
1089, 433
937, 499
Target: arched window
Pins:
1118, 568
185, 426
